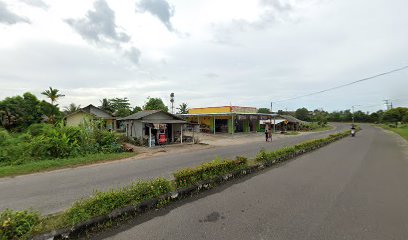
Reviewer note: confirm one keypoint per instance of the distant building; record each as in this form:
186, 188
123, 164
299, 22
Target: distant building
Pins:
89, 114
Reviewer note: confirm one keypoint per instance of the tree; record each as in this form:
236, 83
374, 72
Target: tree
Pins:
71, 108
155, 104
263, 110
395, 115
123, 112
52, 94
19, 112
52, 112
106, 105
119, 103
183, 108
302, 114
137, 109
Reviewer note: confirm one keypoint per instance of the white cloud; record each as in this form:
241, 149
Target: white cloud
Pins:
8, 17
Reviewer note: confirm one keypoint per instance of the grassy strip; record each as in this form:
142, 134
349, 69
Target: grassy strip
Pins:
189, 176
402, 131
53, 164
104, 203
322, 129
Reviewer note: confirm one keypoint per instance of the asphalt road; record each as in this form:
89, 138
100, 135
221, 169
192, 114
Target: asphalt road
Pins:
356, 188
54, 191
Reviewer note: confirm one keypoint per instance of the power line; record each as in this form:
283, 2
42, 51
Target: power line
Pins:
345, 85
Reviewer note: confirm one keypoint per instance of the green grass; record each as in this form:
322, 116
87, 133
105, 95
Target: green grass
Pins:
321, 129
402, 131
46, 165
292, 133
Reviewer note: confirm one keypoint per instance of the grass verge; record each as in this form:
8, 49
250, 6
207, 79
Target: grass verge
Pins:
402, 131
321, 129
46, 165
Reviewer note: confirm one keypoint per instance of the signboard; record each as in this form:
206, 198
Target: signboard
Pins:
237, 109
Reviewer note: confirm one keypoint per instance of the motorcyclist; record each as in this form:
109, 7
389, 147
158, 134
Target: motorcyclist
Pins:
353, 130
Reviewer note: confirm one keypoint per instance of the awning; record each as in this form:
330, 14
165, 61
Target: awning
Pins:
163, 121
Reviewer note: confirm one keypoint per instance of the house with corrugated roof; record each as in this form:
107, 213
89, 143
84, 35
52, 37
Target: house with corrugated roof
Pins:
155, 126
89, 114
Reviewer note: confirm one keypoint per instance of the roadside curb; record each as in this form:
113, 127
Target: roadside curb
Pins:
180, 193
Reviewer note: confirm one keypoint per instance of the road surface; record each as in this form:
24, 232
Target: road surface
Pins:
54, 191
356, 188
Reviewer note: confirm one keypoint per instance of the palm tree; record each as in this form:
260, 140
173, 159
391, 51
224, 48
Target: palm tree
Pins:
183, 109
106, 105
71, 108
52, 94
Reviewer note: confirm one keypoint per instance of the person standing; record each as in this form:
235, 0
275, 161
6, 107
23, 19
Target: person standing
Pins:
266, 132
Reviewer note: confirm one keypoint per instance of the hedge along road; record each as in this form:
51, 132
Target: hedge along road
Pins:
356, 188
54, 191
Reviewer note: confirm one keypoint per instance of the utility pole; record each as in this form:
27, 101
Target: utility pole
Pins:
352, 112
172, 102
388, 104
273, 118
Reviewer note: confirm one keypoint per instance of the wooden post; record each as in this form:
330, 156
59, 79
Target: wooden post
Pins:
232, 124
150, 136
181, 133
214, 124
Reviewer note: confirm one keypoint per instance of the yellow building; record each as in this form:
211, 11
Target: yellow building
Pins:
227, 119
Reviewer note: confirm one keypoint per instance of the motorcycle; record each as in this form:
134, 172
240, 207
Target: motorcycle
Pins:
353, 132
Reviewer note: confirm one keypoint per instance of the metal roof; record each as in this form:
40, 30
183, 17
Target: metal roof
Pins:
140, 115
227, 114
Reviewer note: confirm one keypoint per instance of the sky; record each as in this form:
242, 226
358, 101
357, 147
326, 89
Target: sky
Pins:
208, 52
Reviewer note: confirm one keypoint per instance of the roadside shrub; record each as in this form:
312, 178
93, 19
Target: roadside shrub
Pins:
105, 202
17, 224
44, 141
284, 153
205, 171
38, 129
4, 137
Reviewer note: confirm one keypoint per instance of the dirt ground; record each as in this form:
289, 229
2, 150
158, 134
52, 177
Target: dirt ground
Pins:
206, 141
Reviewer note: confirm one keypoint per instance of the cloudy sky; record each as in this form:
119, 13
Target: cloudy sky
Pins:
208, 52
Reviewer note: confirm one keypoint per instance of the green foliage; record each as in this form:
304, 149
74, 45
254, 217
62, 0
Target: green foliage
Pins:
105, 202
52, 94
137, 109
264, 110
287, 152
183, 108
106, 105
43, 141
155, 104
395, 115
215, 168
17, 224
302, 114
20, 111
71, 108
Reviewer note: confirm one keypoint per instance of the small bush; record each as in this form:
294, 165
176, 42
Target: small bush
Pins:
105, 202
283, 153
215, 168
17, 224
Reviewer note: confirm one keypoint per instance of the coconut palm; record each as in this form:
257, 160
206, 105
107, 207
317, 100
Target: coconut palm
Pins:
71, 108
52, 94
